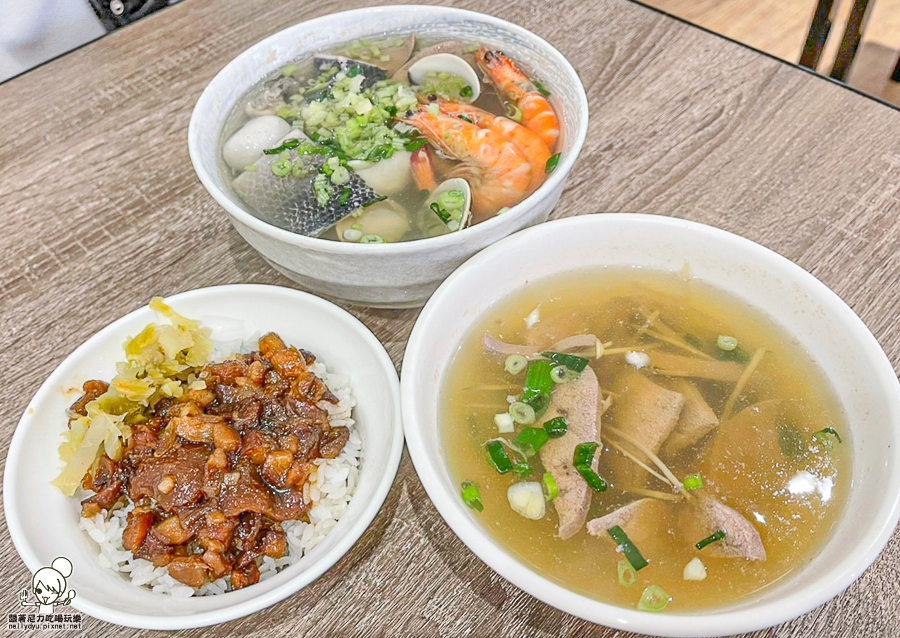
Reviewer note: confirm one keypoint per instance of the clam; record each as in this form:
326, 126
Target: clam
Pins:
382, 221
438, 65
444, 211
454, 47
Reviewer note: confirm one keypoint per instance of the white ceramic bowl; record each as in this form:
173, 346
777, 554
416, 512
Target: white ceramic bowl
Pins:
44, 524
857, 368
401, 274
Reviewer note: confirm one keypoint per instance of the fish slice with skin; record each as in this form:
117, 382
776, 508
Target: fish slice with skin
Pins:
289, 202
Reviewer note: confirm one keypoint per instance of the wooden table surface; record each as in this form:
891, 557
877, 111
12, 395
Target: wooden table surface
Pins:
100, 210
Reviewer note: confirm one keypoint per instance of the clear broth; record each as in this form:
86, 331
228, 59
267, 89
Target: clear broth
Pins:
799, 510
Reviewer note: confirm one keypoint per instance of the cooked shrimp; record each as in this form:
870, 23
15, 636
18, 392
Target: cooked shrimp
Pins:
537, 114
527, 140
497, 171
422, 170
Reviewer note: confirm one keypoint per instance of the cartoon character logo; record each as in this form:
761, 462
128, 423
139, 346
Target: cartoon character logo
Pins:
49, 587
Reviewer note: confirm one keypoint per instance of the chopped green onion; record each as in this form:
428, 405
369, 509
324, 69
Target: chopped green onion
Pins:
632, 553
653, 599
578, 364
372, 239
354, 70
504, 423
281, 167
292, 143
559, 374
530, 441
466, 91
498, 457
513, 112
415, 144
440, 212
345, 196
522, 413
471, 496
550, 166
538, 386
465, 118
726, 343
693, 482
712, 538
289, 70
738, 354
434, 109
550, 489
556, 427
515, 363
823, 437
582, 461
627, 573
541, 88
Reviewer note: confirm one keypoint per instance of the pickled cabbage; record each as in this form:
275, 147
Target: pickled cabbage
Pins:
161, 361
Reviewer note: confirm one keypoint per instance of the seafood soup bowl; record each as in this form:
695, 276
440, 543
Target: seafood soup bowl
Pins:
860, 375
400, 274
44, 523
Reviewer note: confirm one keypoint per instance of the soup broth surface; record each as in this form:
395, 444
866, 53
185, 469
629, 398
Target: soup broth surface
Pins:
790, 483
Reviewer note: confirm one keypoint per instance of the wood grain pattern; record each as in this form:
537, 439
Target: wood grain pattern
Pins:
100, 210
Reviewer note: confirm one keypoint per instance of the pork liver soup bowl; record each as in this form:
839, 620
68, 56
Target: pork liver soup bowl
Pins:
43, 522
402, 274
858, 370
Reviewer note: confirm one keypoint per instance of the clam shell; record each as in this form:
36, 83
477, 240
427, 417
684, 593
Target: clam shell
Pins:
445, 63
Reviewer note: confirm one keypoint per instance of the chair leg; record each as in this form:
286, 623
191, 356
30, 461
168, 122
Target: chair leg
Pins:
819, 28
895, 76
853, 33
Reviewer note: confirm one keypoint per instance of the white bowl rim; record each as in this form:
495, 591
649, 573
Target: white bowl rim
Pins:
473, 233
258, 603
686, 625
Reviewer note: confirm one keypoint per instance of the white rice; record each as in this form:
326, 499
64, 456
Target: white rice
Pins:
329, 490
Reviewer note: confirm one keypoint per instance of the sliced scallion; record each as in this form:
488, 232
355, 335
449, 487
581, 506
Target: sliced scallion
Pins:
712, 538
693, 482
627, 573
558, 374
538, 386
726, 343
556, 427
372, 239
631, 552
515, 363
582, 460
498, 457
466, 91
471, 496
550, 489
550, 166
504, 422
513, 112
281, 167
541, 88
522, 413
824, 437
578, 364
530, 441
654, 598
501, 460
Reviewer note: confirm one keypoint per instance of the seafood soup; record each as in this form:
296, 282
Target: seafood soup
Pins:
391, 139
645, 440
